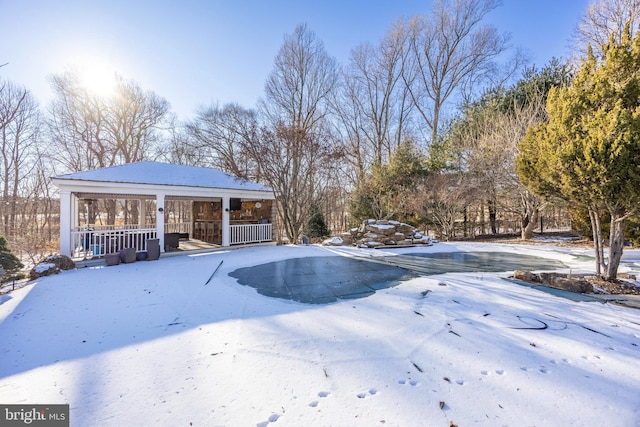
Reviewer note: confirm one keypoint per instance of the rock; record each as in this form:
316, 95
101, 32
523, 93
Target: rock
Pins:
347, 238
424, 240
564, 282
334, 241
372, 234
372, 244
61, 261
43, 269
567, 283
51, 265
526, 276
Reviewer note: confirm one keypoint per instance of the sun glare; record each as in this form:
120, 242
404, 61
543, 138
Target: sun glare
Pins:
97, 78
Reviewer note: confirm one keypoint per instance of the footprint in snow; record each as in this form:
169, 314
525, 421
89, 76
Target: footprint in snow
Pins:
371, 392
272, 419
498, 371
322, 394
412, 383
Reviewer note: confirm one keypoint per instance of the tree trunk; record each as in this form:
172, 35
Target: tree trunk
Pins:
491, 204
597, 239
616, 246
529, 223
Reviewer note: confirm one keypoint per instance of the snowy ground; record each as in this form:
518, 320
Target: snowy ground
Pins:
150, 344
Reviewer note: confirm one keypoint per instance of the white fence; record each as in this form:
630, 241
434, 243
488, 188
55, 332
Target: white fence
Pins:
250, 233
178, 227
102, 240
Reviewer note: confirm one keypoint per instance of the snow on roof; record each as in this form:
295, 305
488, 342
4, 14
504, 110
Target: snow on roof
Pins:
165, 174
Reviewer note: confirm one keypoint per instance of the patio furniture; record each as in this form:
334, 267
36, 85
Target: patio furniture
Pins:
112, 259
153, 249
128, 255
171, 241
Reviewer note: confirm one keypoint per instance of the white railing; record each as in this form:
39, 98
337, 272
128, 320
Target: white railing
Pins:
250, 233
178, 227
99, 242
100, 227
104, 240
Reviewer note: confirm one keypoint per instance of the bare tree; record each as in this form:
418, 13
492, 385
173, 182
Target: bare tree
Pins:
374, 104
450, 52
181, 149
602, 20
76, 124
296, 165
442, 199
219, 135
135, 120
295, 147
92, 131
299, 88
19, 130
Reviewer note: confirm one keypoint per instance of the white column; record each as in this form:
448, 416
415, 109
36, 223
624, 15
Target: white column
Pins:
66, 212
225, 222
142, 204
160, 219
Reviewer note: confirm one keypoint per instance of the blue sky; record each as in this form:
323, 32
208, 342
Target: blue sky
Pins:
199, 52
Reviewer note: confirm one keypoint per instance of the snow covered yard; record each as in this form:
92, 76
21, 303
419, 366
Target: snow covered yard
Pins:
149, 343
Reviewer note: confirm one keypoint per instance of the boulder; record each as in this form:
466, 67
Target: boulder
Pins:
347, 238
564, 282
61, 261
51, 265
373, 234
567, 283
43, 269
334, 241
526, 276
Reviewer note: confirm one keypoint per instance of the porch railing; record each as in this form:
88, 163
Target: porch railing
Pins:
106, 240
99, 242
250, 233
178, 227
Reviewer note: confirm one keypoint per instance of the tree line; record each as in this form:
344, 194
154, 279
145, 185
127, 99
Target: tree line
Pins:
423, 126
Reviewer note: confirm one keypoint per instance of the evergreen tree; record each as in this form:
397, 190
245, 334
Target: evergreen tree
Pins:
589, 151
9, 262
386, 192
316, 226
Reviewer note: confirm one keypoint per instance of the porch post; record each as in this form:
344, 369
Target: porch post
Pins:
66, 211
143, 213
160, 219
225, 222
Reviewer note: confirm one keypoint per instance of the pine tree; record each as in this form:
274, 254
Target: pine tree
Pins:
8, 261
589, 151
316, 226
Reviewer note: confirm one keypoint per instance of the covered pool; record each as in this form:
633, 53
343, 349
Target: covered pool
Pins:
325, 279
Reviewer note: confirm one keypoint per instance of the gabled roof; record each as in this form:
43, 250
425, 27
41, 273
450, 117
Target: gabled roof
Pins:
157, 173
